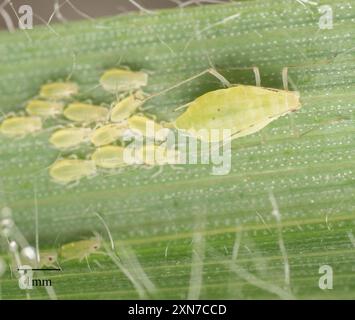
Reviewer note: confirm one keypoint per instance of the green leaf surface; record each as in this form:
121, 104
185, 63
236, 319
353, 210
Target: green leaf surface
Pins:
186, 233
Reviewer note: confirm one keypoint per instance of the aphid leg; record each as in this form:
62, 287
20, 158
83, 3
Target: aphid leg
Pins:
72, 67
182, 107
7, 115
222, 79
256, 72
211, 71
73, 184
160, 170
257, 76
285, 78
87, 262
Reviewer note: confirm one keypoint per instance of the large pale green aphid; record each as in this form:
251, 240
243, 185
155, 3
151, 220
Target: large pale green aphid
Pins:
242, 109
18, 127
116, 80
80, 250
65, 171
58, 90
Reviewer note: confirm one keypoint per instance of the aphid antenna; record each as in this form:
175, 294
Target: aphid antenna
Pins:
79, 12
7, 18
91, 89
141, 8
107, 230
47, 24
211, 71
209, 27
57, 13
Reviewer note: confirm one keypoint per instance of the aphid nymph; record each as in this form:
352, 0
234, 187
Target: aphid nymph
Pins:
116, 80
48, 259
85, 113
68, 138
58, 90
18, 127
123, 109
147, 127
65, 171
108, 134
109, 157
44, 108
80, 250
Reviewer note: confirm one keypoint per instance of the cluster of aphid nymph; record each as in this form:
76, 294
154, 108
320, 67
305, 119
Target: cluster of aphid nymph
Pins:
242, 109
106, 129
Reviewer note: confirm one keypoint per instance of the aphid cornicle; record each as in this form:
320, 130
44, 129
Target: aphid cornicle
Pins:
123, 109
109, 157
86, 113
68, 138
44, 109
71, 170
58, 90
20, 126
116, 80
243, 109
80, 250
108, 133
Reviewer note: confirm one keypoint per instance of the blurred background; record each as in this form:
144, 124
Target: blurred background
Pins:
84, 9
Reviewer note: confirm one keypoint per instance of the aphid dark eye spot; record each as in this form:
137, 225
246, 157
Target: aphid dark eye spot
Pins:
218, 109
252, 125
